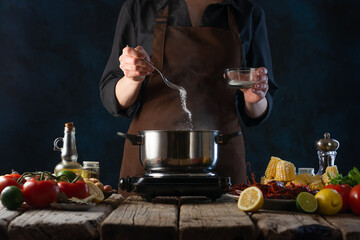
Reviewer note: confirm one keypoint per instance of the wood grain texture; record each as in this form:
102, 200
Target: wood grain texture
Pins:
137, 219
6, 216
218, 220
348, 223
59, 224
293, 225
114, 200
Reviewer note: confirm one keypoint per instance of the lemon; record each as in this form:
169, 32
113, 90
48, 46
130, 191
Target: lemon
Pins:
306, 202
329, 202
95, 191
251, 199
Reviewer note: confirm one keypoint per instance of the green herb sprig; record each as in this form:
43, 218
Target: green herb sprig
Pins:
352, 178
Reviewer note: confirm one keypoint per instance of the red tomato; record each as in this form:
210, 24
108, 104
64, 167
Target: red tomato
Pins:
344, 191
354, 199
39, 194
7, 181
15, 176
78, 189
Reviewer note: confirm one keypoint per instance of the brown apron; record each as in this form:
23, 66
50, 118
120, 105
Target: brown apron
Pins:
194, 58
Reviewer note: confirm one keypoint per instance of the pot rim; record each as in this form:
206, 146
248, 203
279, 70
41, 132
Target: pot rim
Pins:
177, 131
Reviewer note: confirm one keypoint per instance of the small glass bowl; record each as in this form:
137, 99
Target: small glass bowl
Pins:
240, 77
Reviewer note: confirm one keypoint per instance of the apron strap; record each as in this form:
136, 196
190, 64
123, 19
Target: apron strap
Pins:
233, 27
159, 37
231, 20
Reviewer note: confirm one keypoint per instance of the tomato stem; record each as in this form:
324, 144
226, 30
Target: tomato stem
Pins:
76, 179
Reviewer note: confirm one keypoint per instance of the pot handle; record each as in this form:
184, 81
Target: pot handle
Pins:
225, 138
134, 139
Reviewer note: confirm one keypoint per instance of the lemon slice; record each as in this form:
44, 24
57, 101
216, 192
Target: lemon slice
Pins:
95, 192
251, 199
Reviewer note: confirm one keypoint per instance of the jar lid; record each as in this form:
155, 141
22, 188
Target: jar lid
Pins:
90, 164
306, 170
327, 144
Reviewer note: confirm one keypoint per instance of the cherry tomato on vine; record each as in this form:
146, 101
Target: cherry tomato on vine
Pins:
78, 189
7, 181
15, 176
40, 194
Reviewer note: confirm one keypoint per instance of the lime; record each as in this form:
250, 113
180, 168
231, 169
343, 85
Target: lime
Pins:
66, 173
12, 197
306, 202
251, 199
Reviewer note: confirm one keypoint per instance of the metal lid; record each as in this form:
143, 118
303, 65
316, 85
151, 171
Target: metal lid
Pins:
327, 144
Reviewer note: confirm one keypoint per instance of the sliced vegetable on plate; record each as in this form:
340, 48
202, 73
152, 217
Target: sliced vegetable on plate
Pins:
251, 199
95, 192
306, 202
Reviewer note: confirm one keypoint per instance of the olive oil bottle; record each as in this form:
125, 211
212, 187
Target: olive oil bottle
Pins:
69, 154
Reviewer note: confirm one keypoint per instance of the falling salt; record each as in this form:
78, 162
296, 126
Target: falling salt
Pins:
183, 95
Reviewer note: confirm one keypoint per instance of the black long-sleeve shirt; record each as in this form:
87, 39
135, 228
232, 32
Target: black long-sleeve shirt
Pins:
135, 27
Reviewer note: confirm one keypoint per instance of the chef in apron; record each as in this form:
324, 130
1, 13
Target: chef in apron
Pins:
191, 42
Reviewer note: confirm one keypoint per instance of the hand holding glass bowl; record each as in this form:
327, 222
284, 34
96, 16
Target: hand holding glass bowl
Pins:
242, 78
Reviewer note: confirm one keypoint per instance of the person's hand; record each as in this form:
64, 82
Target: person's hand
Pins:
258, 92
133, 65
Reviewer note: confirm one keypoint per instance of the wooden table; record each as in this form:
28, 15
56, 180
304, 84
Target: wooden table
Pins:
173, 218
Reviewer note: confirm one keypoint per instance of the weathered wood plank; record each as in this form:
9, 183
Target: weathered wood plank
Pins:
293, 225
348, 223
214, 220
114, 200
137, 219
59, 224
5, 218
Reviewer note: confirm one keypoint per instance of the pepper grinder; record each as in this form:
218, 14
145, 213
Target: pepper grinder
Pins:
326, 152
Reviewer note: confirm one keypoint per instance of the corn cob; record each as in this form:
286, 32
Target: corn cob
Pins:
270, 171
332, 170
285, 171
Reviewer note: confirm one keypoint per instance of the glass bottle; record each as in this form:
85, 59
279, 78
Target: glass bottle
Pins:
69, 154
90, 169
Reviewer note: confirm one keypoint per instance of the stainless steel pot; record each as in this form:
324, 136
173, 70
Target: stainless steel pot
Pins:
179, 151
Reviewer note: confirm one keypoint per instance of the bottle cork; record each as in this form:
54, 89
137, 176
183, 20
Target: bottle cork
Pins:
69, 125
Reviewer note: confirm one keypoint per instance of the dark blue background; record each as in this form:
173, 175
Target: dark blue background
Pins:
52, 55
